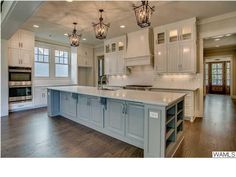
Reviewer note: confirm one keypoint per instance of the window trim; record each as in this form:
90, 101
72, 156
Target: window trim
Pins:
52, 47
58, 63
43, 47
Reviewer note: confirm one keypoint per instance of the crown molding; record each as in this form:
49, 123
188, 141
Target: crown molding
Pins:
217, 18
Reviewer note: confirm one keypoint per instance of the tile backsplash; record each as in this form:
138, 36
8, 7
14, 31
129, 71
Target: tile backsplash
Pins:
145, 75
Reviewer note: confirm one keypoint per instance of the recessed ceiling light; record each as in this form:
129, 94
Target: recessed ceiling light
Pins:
217, 46
217, 39
36, 26
66, 34
69, 0
228, 35
122, 26
84, 39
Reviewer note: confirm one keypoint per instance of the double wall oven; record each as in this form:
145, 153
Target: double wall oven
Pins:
20, 84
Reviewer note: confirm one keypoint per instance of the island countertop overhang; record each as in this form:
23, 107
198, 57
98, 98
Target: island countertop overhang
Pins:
146, 97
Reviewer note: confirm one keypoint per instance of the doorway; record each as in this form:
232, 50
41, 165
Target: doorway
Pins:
217, 77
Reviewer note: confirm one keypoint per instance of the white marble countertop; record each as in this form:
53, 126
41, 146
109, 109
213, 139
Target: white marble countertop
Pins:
175, 88
148, 97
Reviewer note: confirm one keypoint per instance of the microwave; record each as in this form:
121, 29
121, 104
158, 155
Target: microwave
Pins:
19, 76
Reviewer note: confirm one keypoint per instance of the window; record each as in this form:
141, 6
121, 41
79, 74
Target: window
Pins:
217, 76
41, 64
228, 74
206, 74
61, 63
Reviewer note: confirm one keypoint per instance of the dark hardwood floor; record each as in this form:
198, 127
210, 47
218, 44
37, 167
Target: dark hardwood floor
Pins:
33, 134
215, 132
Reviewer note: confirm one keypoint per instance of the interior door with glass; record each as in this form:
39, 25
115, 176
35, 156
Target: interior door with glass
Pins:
217, 84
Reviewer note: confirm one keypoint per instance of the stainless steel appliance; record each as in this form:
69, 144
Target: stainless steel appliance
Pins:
20, 85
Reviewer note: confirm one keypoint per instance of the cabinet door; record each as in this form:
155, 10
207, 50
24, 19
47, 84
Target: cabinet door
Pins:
84, 112
27, 40
173, 57
96, 111
106, 64
135, 122
173, 34
38, 101
113, 64
114, 116
187, 32
120, 63
26, 58
68, 105
160, 58
14, 54
14, 41
187, 57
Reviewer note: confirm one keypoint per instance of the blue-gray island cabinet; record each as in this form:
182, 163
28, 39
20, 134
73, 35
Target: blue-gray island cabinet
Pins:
152, 121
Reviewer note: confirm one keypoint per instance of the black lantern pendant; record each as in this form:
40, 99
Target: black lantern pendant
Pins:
74, 37
143, 14
101, 28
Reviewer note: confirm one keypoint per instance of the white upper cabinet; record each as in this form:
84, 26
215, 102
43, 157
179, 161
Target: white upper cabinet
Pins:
114, 50
175, 47
85, 56
20, 49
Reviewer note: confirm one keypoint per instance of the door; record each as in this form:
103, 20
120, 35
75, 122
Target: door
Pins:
217, 78
83, 108
115, 116
14, 42
173, 57
160, 57
135, 122
26, 58
96, 111
27, 40
187, 58
120, 62
68, 105
14, 54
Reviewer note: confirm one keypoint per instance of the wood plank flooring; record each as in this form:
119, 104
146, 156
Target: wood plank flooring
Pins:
33, 134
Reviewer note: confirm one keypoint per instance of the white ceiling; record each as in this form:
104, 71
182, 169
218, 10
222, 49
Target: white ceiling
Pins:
56, 18
220, 41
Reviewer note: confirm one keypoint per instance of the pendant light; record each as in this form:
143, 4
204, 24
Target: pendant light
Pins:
143, 14
101, 28
74, 37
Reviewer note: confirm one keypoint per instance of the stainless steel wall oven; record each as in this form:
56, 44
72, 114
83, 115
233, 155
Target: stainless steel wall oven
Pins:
20, 85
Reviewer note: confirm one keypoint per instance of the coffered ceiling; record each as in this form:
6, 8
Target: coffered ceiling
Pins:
56, 18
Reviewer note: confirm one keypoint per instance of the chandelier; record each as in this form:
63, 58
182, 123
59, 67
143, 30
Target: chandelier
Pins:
143, 14
74, 37
101, 28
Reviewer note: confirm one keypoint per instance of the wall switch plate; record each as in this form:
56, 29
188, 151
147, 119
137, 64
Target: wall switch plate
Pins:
154, 115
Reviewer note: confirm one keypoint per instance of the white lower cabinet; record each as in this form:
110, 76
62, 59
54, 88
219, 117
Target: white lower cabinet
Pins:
40, 97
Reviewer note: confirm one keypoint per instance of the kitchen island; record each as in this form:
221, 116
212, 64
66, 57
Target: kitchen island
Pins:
152, 121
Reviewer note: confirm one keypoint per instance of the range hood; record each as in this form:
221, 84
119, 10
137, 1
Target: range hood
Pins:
139, 48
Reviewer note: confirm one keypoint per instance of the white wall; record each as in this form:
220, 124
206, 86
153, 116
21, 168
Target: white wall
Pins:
4, 79
74, 64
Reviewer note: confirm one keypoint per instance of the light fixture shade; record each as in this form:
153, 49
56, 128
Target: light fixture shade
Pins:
100, 28
74, 37
143, 14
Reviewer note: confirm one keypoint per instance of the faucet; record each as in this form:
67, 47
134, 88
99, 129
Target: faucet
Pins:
100, 86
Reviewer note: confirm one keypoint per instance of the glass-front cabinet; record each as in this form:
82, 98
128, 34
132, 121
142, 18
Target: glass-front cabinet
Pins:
114, 56
175, 47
